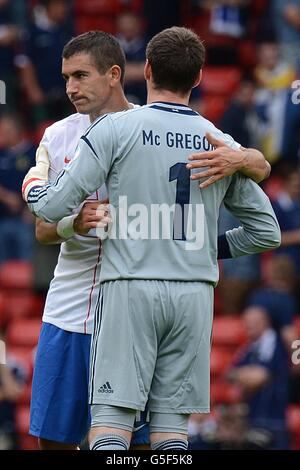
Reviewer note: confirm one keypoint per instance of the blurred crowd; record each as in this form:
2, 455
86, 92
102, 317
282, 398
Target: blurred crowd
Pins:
249, 90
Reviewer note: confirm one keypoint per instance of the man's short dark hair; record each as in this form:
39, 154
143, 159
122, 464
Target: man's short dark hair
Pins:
176, 56
103, 48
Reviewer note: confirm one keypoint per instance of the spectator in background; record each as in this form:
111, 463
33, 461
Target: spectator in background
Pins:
240, 276
277, 298
130, 34
229, 17
51, 29
286, 17
9, 37
227, 429
261, 371
227, 23
287, 209
17, 155
240, 119
274, 78
12, 381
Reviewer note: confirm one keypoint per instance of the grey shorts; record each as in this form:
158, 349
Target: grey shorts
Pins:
151, 342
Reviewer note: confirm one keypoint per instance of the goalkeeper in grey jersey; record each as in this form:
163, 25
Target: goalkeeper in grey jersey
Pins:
153, 318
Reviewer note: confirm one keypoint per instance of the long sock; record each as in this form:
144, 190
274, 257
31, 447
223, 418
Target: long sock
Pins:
109, 442
170, 444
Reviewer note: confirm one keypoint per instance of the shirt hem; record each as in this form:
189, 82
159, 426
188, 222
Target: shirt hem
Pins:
65, 326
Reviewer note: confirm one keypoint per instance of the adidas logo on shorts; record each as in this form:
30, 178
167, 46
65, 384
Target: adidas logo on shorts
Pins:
106, 388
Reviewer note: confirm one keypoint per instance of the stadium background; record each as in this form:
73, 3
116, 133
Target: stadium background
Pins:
248, 89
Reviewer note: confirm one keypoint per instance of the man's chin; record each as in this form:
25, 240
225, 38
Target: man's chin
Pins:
80, 108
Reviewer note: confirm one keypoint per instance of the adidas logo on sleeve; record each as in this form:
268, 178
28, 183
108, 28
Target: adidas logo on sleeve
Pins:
106, 388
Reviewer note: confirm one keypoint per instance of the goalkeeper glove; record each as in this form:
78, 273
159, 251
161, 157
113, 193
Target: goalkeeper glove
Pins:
38, 174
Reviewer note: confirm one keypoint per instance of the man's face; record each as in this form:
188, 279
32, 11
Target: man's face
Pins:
86, 88
10, 134
255, 321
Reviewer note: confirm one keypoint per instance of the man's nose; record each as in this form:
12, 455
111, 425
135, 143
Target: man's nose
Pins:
71, 86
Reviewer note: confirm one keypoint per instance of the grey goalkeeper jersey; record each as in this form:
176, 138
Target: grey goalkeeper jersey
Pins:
164, 226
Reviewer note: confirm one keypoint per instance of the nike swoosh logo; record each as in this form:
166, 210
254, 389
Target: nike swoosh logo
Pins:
138, 428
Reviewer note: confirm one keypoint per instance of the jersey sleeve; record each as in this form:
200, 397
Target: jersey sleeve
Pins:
46, 143
84, 175
250, 205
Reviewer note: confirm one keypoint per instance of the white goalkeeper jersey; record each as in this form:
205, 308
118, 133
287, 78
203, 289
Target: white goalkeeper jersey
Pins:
74, 289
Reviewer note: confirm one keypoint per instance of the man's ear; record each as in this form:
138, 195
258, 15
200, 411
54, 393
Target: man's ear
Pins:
198, 80
115, 74
147, 71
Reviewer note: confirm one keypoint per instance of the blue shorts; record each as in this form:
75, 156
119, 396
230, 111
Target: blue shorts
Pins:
59, 408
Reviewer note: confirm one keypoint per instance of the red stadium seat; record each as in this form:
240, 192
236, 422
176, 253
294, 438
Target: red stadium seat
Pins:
39, 132
220, 360
16, 275
22, 418
247, 54
90, 23
3, 317
19, 304
273, 187
214, 107
220, 81
23, 332
97, 7
228, 331
26, 396
293, 418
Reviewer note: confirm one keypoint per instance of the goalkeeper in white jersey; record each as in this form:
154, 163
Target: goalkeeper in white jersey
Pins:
185, 146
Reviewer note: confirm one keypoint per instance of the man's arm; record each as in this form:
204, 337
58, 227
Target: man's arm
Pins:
10, 388
225, 161
91, 215
250, 378
260, 229
84, 175
291, 237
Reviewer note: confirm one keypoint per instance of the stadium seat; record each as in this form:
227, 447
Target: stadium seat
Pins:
26, 395
19, 304
22, 418
293, 419
16, 275
220, 360
97, 7
39, 131
220, 81
90, 23
273, 186
247, 54
228, 331
3, 317
23, 332
214, 107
